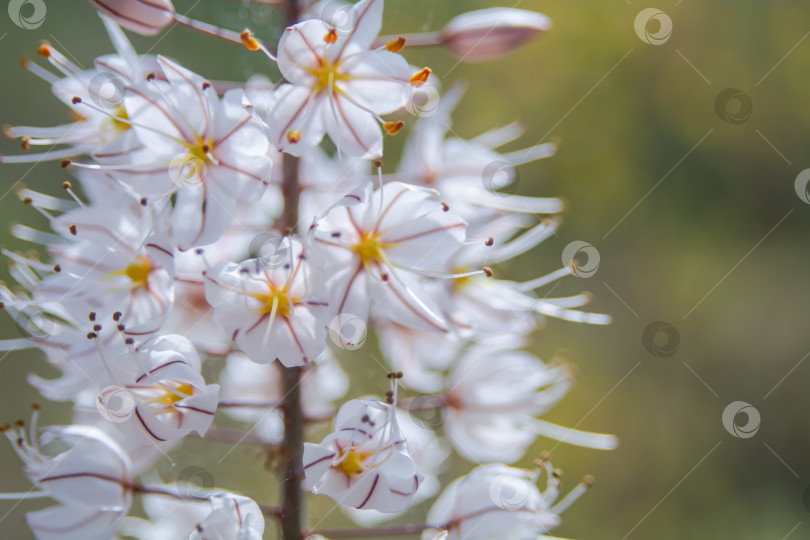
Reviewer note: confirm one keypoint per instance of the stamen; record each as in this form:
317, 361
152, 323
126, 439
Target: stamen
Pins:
392, 128
420, 78
396, 45
331, 36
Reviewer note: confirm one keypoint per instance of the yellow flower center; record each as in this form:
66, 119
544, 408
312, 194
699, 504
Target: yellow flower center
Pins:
352, 463
120, 114
138, 271
172, 393
370, 248
326, 76
278, 297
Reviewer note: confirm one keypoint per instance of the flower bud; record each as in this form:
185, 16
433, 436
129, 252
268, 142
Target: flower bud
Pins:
146, 17
486, 34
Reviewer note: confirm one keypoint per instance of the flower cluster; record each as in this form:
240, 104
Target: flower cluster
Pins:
219, 262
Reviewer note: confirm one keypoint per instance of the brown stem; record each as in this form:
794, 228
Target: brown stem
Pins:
374, 532
292, 472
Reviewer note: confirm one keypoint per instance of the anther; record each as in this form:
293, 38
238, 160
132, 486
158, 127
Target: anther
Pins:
293, 136
420, 78
445, 207
206, 85
150, 76
66, 185
335, 235
26, 200
557, 473
129, 341
65, 163
76, 100
392, 128
396, 45
199, 251
35, 406
121, 327
117, 316
73, 230
2, 305
91, 335
588, 480
44, 49
487, 271
92, 316
4, 428
97, 327
377, 163
57, 268
331, 36
249, 41
365, 419
490, 241
24, 143
206, 149
144, 202
19, 423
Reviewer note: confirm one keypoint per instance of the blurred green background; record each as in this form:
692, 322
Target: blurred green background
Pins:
696, 222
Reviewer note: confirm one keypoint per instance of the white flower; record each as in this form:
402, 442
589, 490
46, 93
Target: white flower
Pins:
170, 398
496, 501
100, 89
232, 517
382, 245
339, 85
365, 462
428, 452
211, 151
267, 306
91, 480
493, 398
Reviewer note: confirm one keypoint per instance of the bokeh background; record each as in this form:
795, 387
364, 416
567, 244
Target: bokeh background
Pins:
696, 221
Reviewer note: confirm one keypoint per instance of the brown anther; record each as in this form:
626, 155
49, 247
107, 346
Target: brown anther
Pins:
25, 61
66, 185
377, 163
365, 418
91, 335
73, 230
331, 36
44, 49
206, 149
7, 131
129, 341
143, 201
420, 78
26, 200
24, 143
293, 136
35, 406
445, 207
97, 327
117, 316
4, 428
588, 480
121, 327
65, 163
396, 45
75, 100
249, 41
2, 305
206, 85
150, 76
557, 473
487, 271
384, 277
19, 423
490, 241
400, 374
92, 316
57, 268
392, 128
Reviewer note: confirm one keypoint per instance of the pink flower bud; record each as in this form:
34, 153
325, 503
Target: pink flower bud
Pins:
146, 17
490, 33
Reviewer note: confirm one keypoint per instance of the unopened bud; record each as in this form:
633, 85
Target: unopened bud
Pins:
490, 33
141, 16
